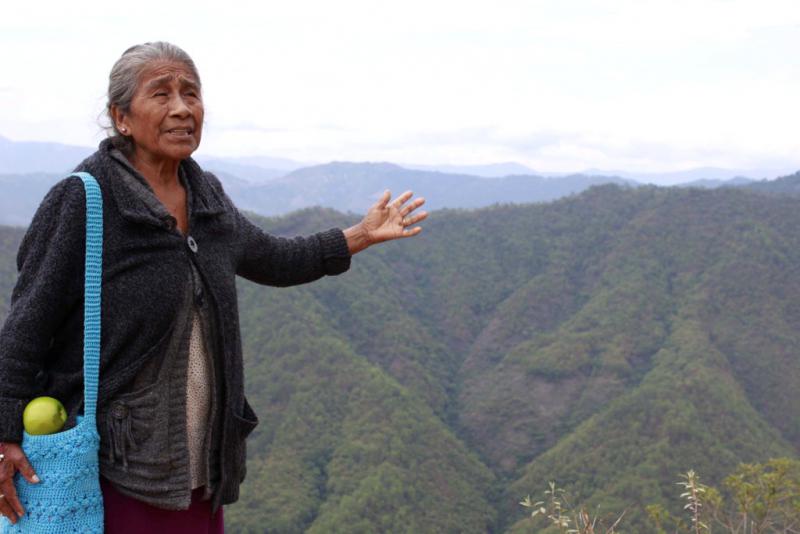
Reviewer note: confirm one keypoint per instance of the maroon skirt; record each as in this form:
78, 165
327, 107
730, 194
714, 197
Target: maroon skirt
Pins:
126, 515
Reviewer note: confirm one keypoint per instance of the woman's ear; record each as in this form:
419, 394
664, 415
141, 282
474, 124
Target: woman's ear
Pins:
120, 120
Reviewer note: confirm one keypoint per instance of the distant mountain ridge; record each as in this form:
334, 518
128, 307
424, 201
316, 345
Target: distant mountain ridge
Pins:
22, 157
492, 170
352, 187
348, 187
785, 185
25, 157
276, 186
737, 181
686, 177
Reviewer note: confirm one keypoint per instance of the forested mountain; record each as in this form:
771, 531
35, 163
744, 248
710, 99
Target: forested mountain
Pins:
609, 340
781, 186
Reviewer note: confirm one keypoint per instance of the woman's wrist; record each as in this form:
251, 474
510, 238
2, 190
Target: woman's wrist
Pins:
357, 239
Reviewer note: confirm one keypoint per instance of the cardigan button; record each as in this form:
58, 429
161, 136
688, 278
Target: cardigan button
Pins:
192, 244
119, 411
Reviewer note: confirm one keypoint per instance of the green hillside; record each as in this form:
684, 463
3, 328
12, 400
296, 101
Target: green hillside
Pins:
609, 340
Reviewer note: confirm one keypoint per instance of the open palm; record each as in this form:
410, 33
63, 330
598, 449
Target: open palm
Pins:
387, 220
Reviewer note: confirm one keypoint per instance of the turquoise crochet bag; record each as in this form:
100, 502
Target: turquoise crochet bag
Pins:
68, 499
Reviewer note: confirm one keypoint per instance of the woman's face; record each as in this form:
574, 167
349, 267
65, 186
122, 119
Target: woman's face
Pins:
166, 114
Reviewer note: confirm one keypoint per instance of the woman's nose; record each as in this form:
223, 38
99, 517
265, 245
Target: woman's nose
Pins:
178, 107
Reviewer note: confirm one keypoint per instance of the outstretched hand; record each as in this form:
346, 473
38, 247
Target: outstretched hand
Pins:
386, 220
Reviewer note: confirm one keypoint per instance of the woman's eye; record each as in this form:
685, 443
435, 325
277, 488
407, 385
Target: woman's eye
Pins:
160, 93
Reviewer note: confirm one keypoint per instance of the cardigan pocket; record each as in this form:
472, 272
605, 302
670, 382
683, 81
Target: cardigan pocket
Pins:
245, 423
129, 423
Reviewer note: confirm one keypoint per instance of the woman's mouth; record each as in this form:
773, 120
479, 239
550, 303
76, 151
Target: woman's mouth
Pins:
180, 132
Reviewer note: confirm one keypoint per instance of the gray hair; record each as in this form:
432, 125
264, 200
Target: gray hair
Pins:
126, 74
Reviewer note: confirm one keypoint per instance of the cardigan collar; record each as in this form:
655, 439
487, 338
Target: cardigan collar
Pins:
136, 199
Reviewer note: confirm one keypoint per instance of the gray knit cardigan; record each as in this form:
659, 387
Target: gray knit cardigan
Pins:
146, 269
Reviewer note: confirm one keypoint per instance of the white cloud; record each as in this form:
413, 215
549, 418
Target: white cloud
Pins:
703, 82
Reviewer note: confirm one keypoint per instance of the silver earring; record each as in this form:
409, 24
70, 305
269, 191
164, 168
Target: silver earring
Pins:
123, 130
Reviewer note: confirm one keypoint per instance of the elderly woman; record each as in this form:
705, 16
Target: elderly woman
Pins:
172, 415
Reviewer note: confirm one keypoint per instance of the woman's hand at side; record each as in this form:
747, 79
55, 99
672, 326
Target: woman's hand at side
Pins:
13, 460
385, 221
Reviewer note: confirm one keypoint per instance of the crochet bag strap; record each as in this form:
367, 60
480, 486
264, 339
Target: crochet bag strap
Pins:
91, 295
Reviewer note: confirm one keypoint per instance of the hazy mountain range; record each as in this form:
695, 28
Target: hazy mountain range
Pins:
23, 157
274, 186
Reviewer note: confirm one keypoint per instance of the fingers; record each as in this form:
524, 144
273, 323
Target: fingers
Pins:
9, 504
408, 208
410, 232
402, 199
384, 200
7, 512
399, 218
15, 459
26, 469
414, 219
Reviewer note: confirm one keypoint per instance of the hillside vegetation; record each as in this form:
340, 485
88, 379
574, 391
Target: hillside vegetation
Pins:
609, 341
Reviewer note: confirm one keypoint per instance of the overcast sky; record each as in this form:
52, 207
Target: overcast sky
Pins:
563, 85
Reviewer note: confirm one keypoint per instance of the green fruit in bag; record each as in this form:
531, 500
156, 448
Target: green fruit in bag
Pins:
44, 415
